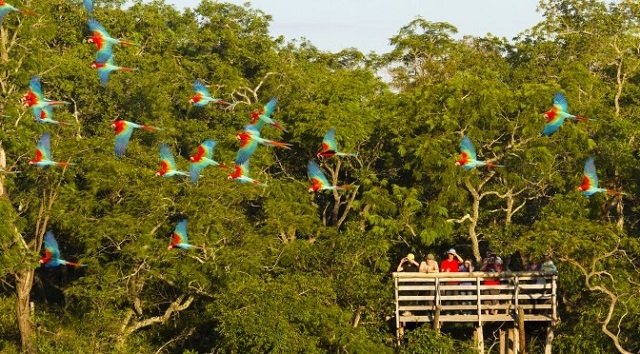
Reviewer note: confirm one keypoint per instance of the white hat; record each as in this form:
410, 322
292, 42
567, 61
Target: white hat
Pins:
452, 251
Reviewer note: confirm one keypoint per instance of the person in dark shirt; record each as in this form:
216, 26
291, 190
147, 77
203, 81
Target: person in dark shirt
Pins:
408, 264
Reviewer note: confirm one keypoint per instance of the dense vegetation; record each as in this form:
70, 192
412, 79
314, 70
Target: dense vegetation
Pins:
283, 270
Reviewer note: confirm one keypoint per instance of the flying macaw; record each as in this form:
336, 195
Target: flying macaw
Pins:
6, 8
124, 129
101, 38
468, 159
168, 166
589, 185
249, 140
43, 153
105, 65
44, 116
241, 174
556, 115
330, 147
179, 238
202, 96
88, 5
34, 98
319, 181
264, 114
202, 159
52, 253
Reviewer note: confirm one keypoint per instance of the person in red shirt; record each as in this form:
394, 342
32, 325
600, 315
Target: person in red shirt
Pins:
451, 264
491, 264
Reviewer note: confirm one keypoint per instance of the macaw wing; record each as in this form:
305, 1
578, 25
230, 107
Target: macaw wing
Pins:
195, 168
103, 57
104, 75
590, 173
244, 168
206, 148
51, 245
257, 125
553, 125
167, 157
95, 26
198, 87
315, 174
180, 232
88, 5
247, 148
123, 135
329, 141
43, 146
561, 102
36, 88
466, 147
268, 108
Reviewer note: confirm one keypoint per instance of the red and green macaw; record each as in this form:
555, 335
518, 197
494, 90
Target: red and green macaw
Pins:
202, 97
589, 185
52, 253
45, 115
34, 98
264, 114
318, 180
6, 8
249, 140
105, 65
123, 130
241, 174
330, 147
202, 159
556, 115
168, 167
179, 237
468, 159
101, 38
43, 153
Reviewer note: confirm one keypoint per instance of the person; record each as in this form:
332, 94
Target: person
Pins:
451, 264
408, 264
467, 266
491, 264
548, 266
429, 265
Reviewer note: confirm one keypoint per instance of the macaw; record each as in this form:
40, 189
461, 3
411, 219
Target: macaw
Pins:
202, 96
241, 174
168, 166
34, 98
105, 65
124, 129
88, 5
6, 8
179, 237
556, 115
265, 114
101, 38
589, 185
43, 153
319, 181
330, 147
52, 253
468, 159
249, 140
44, 116
202, 159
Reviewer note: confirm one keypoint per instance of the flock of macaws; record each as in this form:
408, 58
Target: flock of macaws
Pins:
250, 138
555, 117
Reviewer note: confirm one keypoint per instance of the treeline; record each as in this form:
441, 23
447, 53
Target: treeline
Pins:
282, 270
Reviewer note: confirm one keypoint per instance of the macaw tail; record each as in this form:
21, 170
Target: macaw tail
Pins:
76, 265
259, 183
64, 123
352, 154
493, 165
149, 127
27, 12
57, 103
223, 102
582, 119
278, 144
128, 69
278, 126
64, 164
129, 43
346, 186
612, 192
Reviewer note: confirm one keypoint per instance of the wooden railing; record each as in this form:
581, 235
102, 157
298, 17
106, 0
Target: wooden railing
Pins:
463, 297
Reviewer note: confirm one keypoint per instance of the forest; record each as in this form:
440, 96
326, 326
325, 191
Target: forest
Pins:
276, 268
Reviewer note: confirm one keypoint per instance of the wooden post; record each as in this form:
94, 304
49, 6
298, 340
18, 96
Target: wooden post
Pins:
478, 339
502, 337
436, 318
547, 344
512, 338
521, 342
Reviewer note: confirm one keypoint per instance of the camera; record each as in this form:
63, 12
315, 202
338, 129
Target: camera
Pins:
491, 260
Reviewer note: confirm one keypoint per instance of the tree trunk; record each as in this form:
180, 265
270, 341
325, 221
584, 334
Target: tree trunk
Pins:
24, 282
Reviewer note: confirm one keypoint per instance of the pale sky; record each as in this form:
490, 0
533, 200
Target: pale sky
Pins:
333, 25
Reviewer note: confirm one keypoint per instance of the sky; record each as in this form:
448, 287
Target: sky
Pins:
333, 25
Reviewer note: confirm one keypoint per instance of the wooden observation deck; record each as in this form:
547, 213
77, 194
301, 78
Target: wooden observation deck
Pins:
462, 297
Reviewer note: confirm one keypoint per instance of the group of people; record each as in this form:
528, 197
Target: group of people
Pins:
456, 263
